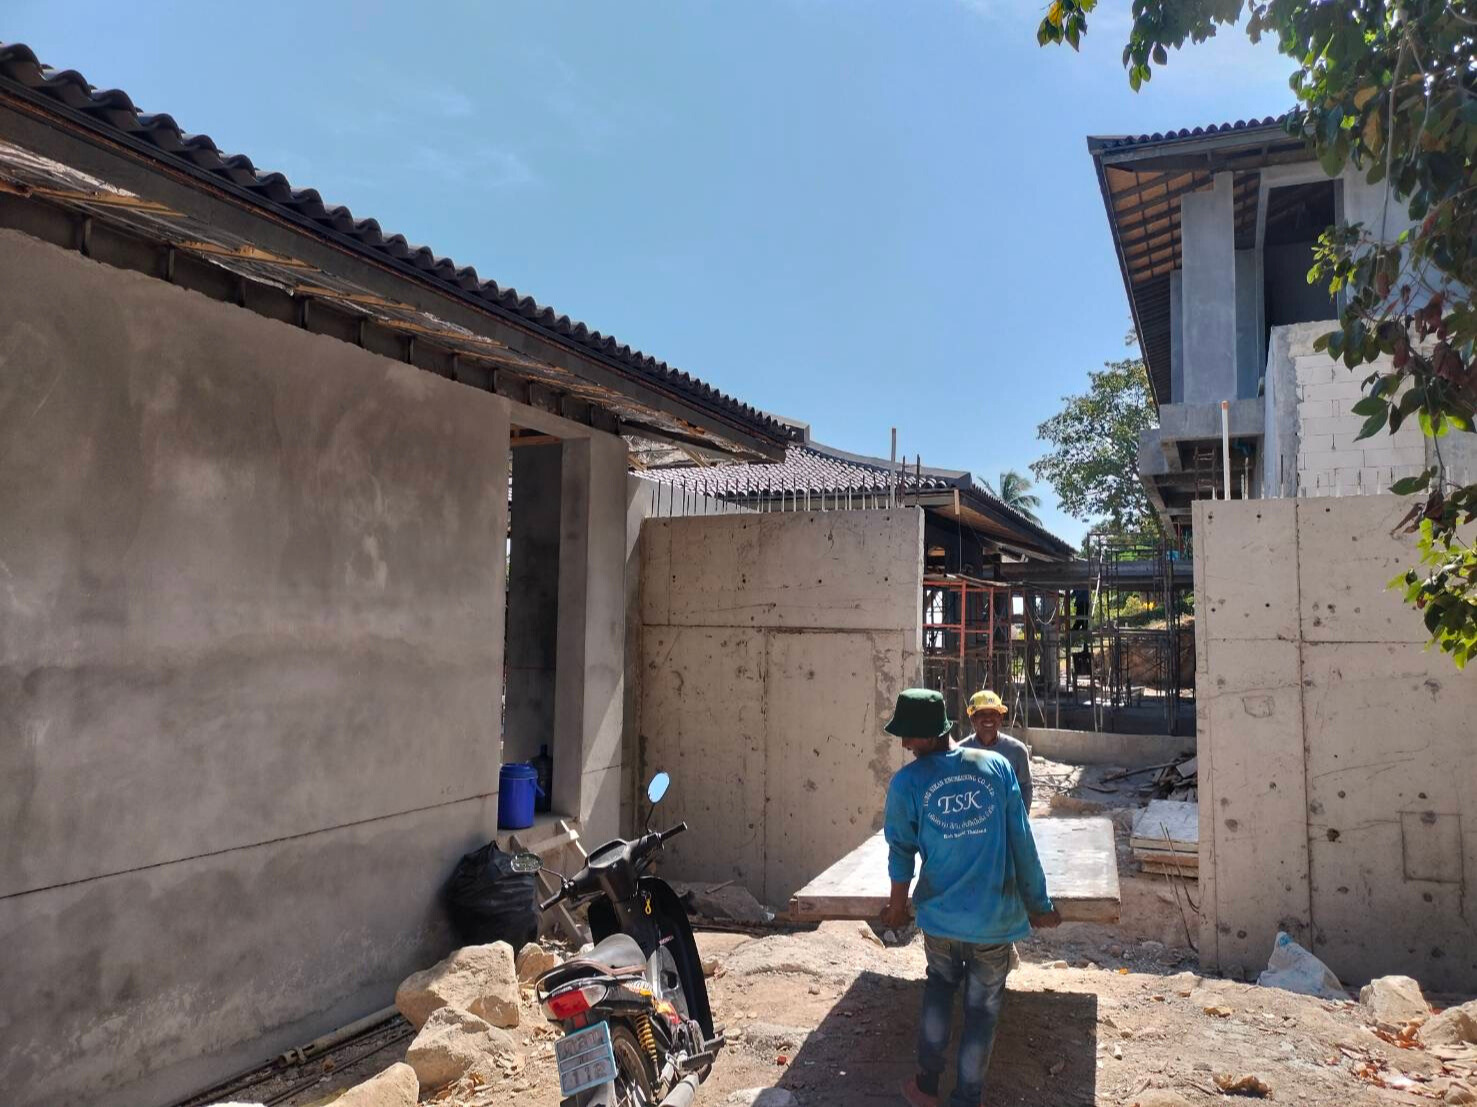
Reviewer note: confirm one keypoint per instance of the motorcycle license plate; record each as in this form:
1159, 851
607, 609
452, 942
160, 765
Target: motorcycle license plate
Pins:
585, 1059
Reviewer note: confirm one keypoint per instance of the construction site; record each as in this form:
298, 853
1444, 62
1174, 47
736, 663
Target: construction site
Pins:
259, 709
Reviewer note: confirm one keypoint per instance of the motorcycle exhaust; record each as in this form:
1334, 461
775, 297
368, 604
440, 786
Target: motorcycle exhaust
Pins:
683, 1094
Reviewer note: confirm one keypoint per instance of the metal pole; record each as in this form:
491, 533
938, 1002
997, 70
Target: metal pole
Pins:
1226, 446
892, 464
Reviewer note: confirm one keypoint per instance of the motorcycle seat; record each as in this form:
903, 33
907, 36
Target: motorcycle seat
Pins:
617, 955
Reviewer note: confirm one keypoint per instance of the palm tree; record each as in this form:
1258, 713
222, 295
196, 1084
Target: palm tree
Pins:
1015, 492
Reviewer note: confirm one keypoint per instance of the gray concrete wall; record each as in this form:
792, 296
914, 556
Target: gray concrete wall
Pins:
1209, 294
773, 647
1338, 780
1090, 747
646, 499
251, 637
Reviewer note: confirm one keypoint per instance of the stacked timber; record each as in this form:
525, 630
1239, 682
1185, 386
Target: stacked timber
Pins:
1166, 838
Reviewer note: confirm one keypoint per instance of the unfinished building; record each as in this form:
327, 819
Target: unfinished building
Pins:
1335, 762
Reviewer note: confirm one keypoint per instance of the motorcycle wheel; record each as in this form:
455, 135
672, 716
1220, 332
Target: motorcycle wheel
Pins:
635, 1082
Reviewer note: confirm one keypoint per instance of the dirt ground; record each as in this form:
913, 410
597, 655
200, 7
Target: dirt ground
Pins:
1095, 1015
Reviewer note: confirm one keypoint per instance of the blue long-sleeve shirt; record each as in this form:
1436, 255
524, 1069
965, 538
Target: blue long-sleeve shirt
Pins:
962, 811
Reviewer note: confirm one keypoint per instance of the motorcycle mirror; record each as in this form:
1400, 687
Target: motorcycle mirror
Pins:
658, 788
525, 862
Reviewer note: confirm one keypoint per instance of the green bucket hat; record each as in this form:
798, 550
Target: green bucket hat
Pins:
920, 713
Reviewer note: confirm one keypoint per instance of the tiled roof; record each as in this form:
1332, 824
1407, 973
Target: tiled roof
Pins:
113, 110
1118, 142
815, 469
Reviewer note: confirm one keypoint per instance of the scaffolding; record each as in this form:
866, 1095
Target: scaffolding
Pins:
1102, 643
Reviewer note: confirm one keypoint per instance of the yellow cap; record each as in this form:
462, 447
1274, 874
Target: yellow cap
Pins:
987, 701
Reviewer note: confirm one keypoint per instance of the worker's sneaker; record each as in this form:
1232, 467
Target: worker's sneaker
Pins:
916, 1096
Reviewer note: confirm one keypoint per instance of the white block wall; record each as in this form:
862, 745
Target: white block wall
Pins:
1329, 460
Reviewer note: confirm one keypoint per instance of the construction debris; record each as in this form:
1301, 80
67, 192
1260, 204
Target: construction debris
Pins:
1394, 1000
1454, 1026
1166, 838
455, 1044
533, 961
481, 980
397, 1086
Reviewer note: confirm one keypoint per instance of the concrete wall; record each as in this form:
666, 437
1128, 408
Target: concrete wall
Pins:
1091, 747
773, 647
1338, 780
251, 643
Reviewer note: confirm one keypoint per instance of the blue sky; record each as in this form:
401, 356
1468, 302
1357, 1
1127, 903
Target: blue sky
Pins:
861, 214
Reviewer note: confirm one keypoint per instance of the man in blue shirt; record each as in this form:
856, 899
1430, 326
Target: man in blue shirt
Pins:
981, 887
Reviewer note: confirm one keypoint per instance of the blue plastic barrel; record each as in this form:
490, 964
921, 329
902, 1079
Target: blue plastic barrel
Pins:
517, 785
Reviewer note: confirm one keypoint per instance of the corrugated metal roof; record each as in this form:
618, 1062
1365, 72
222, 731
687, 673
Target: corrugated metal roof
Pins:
113, 110
814, 469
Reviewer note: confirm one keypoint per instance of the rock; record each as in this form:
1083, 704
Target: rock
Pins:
1454, 1026
1460, 1093
1161, 1097
1055, 965
1218, 1012
479, 979
454, 1043
1183, 983
1393, 999
1152, 950
761, 1097
772, 1037
397, 1086
533, 961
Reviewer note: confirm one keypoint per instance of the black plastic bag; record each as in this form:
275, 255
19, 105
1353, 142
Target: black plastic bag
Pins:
489, 902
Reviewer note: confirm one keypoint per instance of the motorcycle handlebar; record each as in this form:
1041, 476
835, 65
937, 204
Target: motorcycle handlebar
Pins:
555, 898
665, 834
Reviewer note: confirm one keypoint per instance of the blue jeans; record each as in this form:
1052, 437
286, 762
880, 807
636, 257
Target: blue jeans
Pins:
983, 970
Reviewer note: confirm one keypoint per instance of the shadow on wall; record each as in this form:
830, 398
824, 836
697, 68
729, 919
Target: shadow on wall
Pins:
864, 1049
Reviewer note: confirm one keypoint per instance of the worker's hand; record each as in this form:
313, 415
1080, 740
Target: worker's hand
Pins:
1049, 921
896, 916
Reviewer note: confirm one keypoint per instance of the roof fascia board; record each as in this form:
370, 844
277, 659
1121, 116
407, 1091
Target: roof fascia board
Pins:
36, 125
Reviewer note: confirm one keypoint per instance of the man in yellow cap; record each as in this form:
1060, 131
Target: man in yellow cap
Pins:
986, 712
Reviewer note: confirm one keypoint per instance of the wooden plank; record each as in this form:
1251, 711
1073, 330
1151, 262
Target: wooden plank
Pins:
1077, 855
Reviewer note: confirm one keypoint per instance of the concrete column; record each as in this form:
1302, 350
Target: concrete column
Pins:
533, 600
1177, 337
1248, 333
1207, 225
590, 684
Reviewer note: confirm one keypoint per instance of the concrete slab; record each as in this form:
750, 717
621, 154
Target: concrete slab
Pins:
1077, 855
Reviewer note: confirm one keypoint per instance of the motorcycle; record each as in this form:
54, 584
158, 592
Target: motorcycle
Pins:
634, 1009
